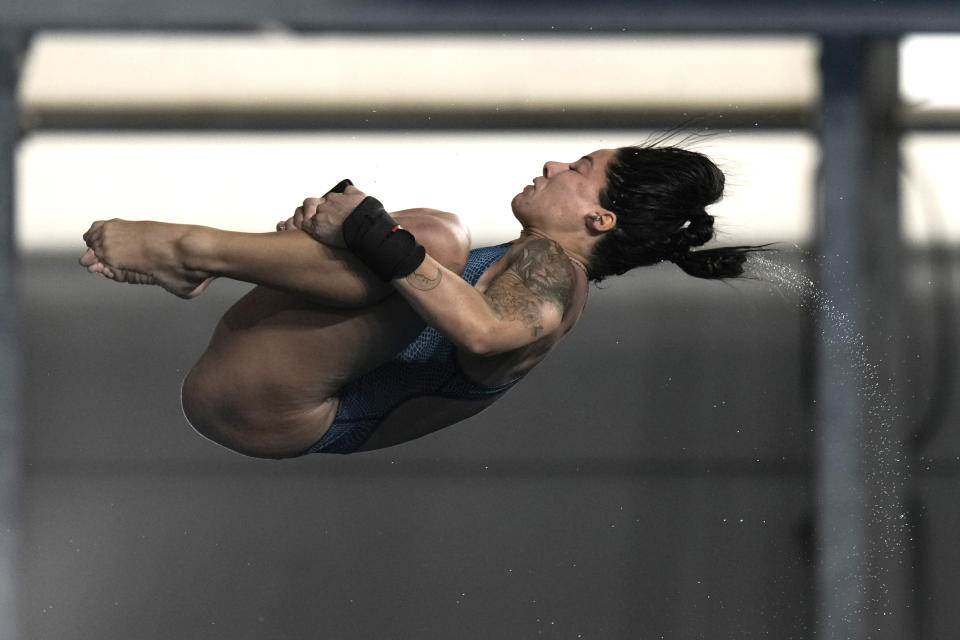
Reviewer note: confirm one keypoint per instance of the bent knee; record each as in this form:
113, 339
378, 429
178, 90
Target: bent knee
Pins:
232, 421
442, 234
202, 407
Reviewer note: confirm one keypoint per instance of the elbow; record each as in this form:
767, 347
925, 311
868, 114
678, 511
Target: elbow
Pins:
475, 342
476, 346
480, 342
481, 350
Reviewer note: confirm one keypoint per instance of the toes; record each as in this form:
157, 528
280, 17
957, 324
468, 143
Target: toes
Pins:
89, 258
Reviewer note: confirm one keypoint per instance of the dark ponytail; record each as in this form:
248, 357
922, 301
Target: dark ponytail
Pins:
660, 195
723, 262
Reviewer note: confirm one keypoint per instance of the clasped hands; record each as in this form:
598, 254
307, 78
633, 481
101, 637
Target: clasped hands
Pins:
322, 218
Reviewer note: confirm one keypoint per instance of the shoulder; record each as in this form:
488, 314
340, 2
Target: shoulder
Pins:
546, 270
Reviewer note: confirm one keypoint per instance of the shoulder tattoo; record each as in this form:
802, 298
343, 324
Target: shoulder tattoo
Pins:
542, 269
545, 269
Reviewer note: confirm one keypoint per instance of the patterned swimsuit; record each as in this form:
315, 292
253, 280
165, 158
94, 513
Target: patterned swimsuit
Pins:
426, 367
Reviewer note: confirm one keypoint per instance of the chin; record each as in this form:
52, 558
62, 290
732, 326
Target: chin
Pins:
516, 208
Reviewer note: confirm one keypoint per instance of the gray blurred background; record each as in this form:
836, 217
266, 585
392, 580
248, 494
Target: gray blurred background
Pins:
697, 460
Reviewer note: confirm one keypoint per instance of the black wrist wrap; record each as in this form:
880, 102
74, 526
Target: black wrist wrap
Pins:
341, 186
380, 243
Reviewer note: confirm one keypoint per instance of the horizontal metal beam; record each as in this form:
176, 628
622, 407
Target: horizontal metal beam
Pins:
83, 118
942, 120
836, 17
80, 119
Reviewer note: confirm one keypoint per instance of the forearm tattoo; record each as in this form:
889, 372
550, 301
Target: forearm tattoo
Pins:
542, 269
424, 281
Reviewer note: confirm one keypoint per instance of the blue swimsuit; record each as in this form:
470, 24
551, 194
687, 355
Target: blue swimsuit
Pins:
426, 367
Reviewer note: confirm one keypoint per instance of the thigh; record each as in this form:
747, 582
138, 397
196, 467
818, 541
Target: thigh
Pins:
307, 351
266, 384
274, 349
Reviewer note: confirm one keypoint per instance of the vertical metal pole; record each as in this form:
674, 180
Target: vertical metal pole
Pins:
858, 487
887, 471
839, 473
10, 50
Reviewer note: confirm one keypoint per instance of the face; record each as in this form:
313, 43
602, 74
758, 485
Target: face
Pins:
565, 194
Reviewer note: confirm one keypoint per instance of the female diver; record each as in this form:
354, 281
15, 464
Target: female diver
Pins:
368, 330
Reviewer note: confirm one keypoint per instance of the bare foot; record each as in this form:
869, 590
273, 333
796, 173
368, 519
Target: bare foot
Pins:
143, 253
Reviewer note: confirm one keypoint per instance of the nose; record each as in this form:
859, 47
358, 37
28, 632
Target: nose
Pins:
550, 169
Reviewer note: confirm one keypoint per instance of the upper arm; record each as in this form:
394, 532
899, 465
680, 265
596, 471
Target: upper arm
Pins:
531, 297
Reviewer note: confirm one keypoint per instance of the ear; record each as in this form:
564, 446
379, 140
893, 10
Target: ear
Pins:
601, 221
